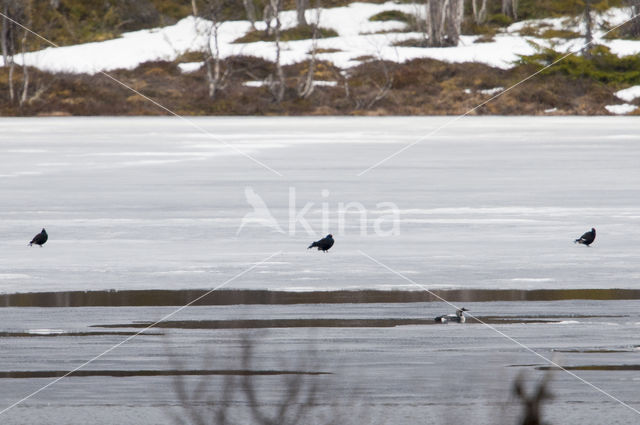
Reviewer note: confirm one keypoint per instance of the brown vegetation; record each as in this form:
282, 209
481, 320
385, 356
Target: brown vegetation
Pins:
417, 87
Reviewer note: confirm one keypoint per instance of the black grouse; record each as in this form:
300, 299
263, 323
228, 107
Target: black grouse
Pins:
323, 244
588, 238
40, 238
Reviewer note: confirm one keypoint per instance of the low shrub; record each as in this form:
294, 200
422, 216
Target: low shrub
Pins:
290, 34
553, 33
500, 20
601, 65
392, 15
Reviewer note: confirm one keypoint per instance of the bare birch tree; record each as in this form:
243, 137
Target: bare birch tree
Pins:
23, 46
633, 29
588, 22
267, 16
275, 81
479, 14
306, 85
212, 60
250, 11
510, 8
296, 400
454, 21
9, 30
301, 8
532, 403
443, 22
20, 11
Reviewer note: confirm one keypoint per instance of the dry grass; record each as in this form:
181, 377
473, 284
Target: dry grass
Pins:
421, 86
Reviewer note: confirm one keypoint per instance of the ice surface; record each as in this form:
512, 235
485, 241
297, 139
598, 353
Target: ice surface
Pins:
404, 375
487, 202
140, 203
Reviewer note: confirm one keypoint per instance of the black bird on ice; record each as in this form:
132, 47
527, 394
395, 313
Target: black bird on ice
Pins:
588, 238
323, 244
40, 238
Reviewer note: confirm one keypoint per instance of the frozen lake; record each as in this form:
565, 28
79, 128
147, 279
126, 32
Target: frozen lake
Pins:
139, 203
403, 375
489, 203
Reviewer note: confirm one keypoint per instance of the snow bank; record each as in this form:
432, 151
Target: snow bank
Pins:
623, 109
628, 94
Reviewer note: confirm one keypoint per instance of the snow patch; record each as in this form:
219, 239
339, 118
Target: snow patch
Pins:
628, 95
622, 109
492, 91
187, 67
325, 83
253, 83
315, 83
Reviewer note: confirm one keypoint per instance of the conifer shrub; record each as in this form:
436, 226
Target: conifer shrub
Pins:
600, 65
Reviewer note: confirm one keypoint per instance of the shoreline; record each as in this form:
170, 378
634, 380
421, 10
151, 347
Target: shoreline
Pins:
164, 297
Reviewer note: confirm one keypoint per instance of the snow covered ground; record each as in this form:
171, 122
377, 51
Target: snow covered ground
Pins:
146, 203
358, 37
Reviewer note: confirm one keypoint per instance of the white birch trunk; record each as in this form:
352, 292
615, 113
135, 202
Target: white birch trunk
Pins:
479, 14
276, 83
306, 86
301, 8
510, 8
250, 10
443, 22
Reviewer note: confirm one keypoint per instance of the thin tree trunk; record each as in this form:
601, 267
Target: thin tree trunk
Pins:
11, 68
278, 87
443, 22
454, 21
428, 27
3, 36
479, 15
250, 10
301, 8
306, 86
510, 8
213, 55
586, 51
437, 16
25, 70
634, 26
267, 16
